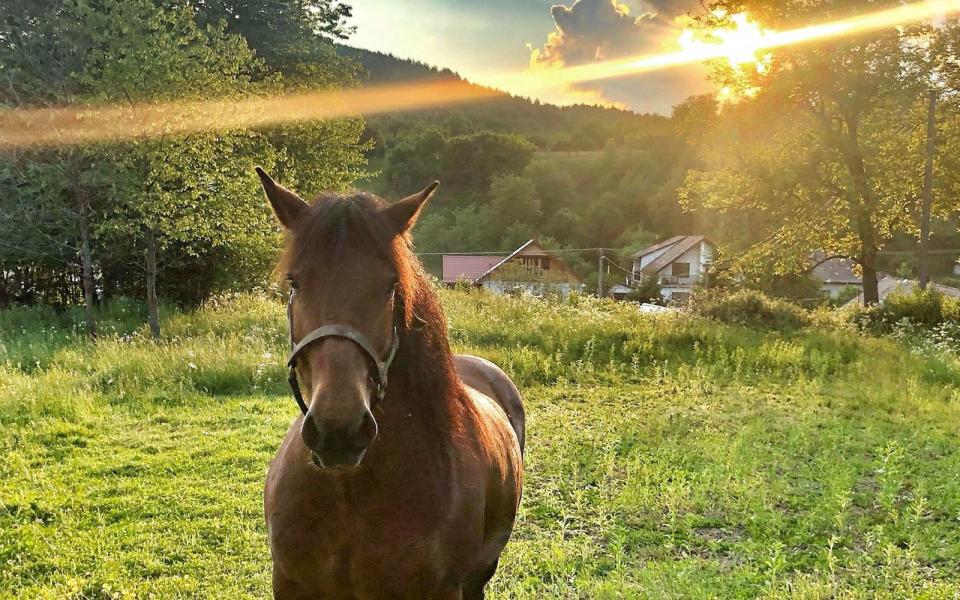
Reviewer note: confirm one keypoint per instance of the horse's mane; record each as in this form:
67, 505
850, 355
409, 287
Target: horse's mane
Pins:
337, 223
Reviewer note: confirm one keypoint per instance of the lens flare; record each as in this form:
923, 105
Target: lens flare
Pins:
45, 127
740, 44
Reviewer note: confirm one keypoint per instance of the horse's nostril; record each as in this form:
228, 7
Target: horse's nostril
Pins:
367, 427
310, 432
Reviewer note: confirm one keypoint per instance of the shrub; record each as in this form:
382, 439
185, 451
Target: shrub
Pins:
748, 307
647, 292
924, 309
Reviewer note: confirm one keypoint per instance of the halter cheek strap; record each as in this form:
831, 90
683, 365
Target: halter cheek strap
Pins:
338, 331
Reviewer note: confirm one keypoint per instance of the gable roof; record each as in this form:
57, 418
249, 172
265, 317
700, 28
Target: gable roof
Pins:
466, 267
504, 261
658, 246
676, 250
534, 242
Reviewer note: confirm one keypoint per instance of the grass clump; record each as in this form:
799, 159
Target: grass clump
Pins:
751, 308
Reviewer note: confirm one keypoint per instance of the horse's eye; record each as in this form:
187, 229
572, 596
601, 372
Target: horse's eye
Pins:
292, 282
392, 290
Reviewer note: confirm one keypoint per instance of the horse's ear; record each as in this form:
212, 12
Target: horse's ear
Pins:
286, 205
402, 215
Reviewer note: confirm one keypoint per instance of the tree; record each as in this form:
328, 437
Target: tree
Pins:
820, 142
413, 160
514, 199
470, 162
565, 225
181, 201
292, 37
633, 241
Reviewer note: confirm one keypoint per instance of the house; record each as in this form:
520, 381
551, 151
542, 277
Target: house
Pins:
460, 268
835, 275
889, 284
679, 264
530, 267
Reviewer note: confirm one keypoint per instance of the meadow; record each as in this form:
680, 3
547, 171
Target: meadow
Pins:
668, 456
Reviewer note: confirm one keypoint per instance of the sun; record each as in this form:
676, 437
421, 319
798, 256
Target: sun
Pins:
740, 41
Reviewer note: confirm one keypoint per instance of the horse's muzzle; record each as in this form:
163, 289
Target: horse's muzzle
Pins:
335, 445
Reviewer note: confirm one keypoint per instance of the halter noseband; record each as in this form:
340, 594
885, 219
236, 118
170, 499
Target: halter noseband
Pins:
339, 331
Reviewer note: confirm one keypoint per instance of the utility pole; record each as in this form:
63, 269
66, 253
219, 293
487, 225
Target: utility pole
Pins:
923, 268
600, 276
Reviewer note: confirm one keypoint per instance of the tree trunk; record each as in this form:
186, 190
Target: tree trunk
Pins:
923, 270
86, 259
868, 263
153, 306
863, 213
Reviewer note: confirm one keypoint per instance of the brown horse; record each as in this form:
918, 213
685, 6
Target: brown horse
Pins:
399, 489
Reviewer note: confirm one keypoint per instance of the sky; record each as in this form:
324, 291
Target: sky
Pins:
486, 40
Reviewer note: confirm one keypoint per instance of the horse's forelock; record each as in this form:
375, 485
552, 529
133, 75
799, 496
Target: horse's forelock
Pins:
334, 220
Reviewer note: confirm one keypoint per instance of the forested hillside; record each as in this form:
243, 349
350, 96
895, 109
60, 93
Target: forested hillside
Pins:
546, 126
579, 176
589, 177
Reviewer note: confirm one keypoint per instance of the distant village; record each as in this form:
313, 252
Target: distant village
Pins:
679, 265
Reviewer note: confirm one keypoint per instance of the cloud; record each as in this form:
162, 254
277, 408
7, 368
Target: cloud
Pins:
592, 30
596, 30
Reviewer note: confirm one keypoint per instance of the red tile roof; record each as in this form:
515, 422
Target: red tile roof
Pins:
469, 268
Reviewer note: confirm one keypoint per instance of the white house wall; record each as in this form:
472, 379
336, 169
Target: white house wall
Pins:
691, 256
706, 257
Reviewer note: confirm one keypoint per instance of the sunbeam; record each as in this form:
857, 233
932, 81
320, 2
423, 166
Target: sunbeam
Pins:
85, 124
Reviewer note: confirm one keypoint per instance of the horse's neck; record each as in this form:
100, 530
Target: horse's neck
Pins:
423, 382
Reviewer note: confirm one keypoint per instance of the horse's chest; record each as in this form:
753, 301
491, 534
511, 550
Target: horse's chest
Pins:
342, 555
345, 537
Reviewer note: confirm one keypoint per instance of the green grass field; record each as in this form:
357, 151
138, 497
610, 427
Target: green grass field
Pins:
668, 457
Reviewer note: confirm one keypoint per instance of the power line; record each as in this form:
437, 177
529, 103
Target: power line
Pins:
610, 262
486, 253
572, 250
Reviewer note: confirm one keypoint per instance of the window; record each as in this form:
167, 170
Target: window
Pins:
681, 270
535, 262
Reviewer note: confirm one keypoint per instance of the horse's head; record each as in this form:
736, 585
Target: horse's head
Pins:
350, 266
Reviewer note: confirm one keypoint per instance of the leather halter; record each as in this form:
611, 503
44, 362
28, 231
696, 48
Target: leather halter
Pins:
339, 331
